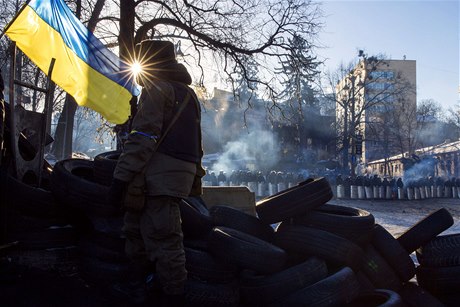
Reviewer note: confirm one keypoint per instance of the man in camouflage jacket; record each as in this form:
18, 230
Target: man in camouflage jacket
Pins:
163, 172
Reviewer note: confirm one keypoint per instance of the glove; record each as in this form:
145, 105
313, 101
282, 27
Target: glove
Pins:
117, 192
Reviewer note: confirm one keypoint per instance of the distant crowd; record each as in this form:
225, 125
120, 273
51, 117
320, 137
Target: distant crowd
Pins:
262, 184
375, 187
359, 187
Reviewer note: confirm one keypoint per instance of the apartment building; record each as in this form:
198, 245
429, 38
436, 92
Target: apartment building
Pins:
376, 110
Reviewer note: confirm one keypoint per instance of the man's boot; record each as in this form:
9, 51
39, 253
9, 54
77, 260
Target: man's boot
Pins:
134, 288
170, 300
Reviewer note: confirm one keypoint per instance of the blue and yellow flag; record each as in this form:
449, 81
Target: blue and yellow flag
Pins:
84, 67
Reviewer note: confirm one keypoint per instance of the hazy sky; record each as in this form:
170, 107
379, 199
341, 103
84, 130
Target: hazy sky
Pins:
422, 30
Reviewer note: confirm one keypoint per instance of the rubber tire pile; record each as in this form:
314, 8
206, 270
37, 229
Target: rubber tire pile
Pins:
298, 251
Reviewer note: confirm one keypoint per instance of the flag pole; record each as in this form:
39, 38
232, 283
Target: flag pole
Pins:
14, 19
47, 109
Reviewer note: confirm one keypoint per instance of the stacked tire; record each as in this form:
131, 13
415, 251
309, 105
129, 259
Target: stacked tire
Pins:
102, 260
212, 281
378, 266
41, 232
439, 269
233, 260
298, 250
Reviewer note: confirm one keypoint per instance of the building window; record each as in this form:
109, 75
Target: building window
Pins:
381, 97
379, 74
380, 86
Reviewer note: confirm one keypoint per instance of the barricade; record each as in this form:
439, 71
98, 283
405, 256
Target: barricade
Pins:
447, 192
428, 191
237, 197
382, 192
375, 190
422, 193
252, 185
416, 193
410, 193
439, 193
272, 188
353, 192
369, 192
401, 194
261, 189
361, 192
281, 186
388, 192
340, 191
207, 183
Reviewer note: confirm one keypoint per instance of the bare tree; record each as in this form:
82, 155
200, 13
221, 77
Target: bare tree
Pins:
226, 35
429, 114
364, 95
403, 125
225, 38
88, 137
434, 125
453, 117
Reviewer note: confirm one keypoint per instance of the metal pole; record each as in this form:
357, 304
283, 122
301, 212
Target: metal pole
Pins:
46, 112
12, 108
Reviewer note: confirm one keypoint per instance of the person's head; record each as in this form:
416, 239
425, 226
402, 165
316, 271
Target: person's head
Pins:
154, 53
158, 61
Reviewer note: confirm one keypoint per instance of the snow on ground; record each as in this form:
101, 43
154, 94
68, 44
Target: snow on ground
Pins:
399, 215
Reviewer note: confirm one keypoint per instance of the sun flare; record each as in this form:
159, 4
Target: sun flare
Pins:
136, 68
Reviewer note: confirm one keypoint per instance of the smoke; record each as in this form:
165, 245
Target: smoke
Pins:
236, 137
240, 138
256, 150
421, 169
429, 134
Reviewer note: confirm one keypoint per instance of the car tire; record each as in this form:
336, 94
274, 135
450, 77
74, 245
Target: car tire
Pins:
73, 185
230, 217
294, 201
426, 229
441, 251
337, 289
246, 251
259, 290
351, 223
334, 249
104, 166
392, 251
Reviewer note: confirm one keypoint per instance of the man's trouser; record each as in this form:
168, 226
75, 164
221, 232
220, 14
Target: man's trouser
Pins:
155, 235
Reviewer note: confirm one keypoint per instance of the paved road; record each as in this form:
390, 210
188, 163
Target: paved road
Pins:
397, 215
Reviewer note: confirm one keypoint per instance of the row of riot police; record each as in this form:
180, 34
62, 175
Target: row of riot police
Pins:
367, 187
261, 184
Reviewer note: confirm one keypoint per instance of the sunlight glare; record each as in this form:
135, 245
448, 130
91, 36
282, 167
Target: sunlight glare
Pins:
136, 68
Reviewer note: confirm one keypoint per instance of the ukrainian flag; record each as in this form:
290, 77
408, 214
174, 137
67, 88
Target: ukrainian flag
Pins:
84, 67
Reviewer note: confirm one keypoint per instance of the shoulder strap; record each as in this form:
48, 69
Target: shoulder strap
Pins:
174, 119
